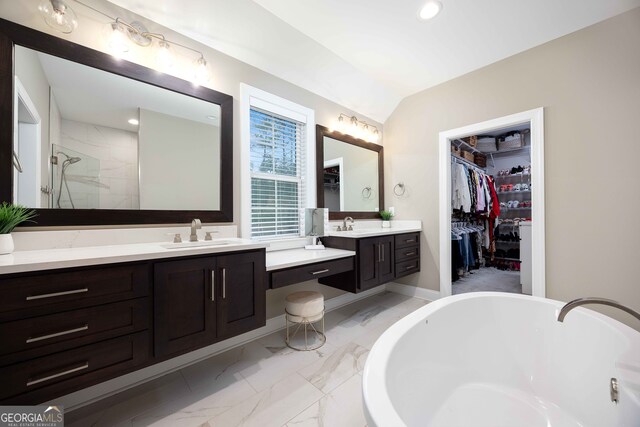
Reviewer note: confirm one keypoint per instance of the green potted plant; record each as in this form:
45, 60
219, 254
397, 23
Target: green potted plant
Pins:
10, 217
386, 218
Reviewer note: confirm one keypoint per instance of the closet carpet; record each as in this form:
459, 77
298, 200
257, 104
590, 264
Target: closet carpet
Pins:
488, 279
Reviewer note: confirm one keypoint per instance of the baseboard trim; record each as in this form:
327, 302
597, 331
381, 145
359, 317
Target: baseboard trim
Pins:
413, 291
108, 388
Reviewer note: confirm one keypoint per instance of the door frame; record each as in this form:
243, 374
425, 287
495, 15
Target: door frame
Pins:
32, 169
535, 118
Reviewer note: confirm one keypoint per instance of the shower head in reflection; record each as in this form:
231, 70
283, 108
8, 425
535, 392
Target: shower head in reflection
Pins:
63, 177
69, 159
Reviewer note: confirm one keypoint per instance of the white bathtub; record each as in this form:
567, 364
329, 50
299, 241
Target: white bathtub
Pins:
494, 359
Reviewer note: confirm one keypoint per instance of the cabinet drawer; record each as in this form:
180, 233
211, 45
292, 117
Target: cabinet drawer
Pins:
408, 239
310, 272
49, 292
62, 372
407, 267
405, 254
56, 332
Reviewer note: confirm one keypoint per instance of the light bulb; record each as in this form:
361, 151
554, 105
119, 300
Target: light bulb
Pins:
58, 15
164, 56
118, 39
376, 135
200, 73
430, 9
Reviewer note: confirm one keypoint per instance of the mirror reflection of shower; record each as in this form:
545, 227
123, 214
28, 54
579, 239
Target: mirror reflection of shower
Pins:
70, 160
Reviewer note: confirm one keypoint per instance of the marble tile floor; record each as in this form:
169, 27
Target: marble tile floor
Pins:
263, 383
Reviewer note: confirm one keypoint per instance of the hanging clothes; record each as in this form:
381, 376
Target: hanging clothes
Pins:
461, 196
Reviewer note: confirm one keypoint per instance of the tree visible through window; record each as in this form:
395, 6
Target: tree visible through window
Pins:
277, 176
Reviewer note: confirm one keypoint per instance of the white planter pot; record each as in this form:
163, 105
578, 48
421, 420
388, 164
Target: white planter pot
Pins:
6, 244
386, 224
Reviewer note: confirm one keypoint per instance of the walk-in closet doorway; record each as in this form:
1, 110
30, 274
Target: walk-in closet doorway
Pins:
535, 121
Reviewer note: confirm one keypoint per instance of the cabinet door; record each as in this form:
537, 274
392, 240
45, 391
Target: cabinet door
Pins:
386, 263
184, 310
368, 256
241, 294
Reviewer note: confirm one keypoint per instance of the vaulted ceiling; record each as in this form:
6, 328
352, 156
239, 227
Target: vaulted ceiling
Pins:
370, 54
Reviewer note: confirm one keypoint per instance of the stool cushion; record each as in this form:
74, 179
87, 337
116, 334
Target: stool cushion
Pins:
304, 303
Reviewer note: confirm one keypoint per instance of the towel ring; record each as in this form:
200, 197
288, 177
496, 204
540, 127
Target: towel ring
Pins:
399, 189
366, 193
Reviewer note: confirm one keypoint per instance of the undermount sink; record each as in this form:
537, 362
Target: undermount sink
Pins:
206, 243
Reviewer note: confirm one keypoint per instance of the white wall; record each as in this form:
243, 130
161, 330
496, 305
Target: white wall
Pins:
589, 85
179, 163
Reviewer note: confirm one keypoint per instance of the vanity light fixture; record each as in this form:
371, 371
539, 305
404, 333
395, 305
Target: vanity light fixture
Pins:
357, 128
134, 122
164, 55
121, 35
430, 9
58, 15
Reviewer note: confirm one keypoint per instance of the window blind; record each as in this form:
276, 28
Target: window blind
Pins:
277, 160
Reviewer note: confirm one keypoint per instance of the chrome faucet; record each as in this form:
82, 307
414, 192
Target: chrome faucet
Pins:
195, 225
582, 301
344, 224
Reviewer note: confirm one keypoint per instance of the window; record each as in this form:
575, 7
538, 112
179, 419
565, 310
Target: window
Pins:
277, 168
277, 180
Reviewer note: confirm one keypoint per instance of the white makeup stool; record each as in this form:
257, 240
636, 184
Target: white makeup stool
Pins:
305, 308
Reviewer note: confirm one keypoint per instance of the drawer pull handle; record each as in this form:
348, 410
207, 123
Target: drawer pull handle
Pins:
57, 334
409, 241
409, 253
319, 271
410, 267
85, 365
57, 294
224, 283
213, 285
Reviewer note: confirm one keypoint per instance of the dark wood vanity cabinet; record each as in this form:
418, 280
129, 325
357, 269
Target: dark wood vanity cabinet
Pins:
64, 330
203, 300
379, 260
375, 261
241, 294
184, 305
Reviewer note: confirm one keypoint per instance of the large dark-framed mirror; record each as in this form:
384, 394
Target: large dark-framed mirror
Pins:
139, 147
349, 175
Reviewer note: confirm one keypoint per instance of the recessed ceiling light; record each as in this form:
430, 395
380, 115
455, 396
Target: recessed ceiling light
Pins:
430, 9
134, 122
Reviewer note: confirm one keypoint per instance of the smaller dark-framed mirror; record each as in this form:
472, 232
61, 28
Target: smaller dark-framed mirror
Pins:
350, 175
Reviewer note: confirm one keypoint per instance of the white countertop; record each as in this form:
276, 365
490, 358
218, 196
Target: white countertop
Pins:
277, 260
22, 261
371, 232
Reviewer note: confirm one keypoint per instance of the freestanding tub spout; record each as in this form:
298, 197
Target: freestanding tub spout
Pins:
602, 301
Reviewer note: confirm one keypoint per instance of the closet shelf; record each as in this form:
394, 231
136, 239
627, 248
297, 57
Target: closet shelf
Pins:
507, 259
515, 175
507, 242
515, 209
514, 192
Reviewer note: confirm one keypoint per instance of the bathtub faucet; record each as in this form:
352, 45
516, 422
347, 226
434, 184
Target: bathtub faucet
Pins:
603, 301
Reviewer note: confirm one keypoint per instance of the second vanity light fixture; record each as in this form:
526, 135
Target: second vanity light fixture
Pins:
357, 128
121, 35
